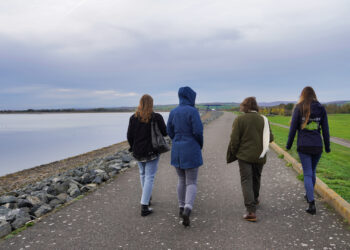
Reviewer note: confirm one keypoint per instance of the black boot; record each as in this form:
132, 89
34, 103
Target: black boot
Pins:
186, 217
146, 210
181, 211
312, 208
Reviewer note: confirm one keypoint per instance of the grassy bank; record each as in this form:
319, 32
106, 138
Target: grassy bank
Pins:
333, 169
338, 124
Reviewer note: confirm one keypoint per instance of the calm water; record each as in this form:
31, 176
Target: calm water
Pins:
28, 140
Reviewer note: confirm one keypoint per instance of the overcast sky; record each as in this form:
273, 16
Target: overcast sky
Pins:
93, 53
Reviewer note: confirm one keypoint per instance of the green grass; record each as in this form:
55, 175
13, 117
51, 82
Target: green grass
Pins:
338, 124
333, 168
17, 231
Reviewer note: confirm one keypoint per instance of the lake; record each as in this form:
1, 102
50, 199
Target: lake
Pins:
29, 140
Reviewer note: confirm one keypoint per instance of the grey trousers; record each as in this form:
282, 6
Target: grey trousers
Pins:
250, 181
187, 186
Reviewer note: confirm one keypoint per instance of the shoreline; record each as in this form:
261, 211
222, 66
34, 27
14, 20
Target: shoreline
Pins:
24, 177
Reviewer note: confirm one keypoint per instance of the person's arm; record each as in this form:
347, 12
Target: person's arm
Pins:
272, 138
233, 146
325, 132
197, 128
293, 128
130, 134
161, 124
170, 126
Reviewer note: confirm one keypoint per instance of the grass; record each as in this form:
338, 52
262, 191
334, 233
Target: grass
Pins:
338, 124
333, 168
17, 231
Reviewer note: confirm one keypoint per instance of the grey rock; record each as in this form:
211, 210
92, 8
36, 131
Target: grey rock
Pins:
16, 214
55, 202
5, 228
86, 178
24, 203
4, 211
62, 197
111, 157
44, 209
89, 187
11, 205
126, 158
41, 195
97, 180
74, 190
34, 200
7, 199
19, 222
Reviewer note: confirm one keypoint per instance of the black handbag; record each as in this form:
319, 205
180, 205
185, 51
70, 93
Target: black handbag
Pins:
158, 142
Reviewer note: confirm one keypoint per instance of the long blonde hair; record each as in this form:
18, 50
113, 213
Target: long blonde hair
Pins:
307, 96
145, 109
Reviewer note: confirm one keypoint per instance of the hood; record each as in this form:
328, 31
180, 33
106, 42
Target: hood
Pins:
316, 108
187, 96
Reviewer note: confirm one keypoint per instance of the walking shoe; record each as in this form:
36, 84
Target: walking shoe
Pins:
146, 210
312, 208
250, 217
186, 217
181, 211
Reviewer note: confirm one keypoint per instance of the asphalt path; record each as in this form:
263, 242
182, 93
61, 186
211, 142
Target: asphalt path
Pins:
109, 218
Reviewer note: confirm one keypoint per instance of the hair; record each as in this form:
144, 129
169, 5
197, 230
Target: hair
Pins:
307, 96
249, 104
145, 109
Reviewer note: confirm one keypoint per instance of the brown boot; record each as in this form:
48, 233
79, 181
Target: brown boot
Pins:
250, 217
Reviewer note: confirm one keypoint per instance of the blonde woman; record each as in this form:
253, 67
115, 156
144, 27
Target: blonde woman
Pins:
140, 141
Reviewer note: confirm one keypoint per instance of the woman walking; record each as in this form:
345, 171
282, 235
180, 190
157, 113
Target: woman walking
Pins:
140, 141
309, 118
186, 131
250, 138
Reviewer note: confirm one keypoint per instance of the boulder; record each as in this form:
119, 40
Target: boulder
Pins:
86, 178
5, 228
43, 209
20, 222
11, 205
62, 197
126, 158
24, 203
4, 211
7, 199
97, 180
74, 190
55, 202
34, 200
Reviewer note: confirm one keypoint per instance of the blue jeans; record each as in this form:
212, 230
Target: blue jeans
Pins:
148, 171
309, 163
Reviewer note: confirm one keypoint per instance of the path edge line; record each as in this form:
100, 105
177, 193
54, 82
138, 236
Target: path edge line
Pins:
328, 194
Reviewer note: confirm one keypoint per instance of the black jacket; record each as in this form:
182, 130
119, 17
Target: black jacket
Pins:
309, 138
139, 136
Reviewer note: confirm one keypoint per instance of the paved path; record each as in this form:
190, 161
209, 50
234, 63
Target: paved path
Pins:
340, 141
110, 217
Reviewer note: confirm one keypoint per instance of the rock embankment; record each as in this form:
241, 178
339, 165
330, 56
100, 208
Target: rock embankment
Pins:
23, 205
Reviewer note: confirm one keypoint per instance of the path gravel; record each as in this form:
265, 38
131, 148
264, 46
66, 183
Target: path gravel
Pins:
110, 217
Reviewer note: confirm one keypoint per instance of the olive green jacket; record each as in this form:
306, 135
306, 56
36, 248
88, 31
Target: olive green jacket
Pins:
247, 139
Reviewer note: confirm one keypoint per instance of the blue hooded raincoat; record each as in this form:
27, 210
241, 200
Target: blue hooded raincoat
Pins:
185, 128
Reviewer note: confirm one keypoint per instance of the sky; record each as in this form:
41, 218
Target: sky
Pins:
93, 53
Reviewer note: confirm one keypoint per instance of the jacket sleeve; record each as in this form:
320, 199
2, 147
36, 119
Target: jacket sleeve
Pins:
170, 126
293, 127
197, 128
272, 138
233, 146
161, 124
325, 131
130, 134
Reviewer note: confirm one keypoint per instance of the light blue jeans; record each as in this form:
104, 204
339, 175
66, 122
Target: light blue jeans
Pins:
309, 163
148, 171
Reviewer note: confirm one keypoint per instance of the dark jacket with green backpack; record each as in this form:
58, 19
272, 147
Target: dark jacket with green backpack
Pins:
247, 139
